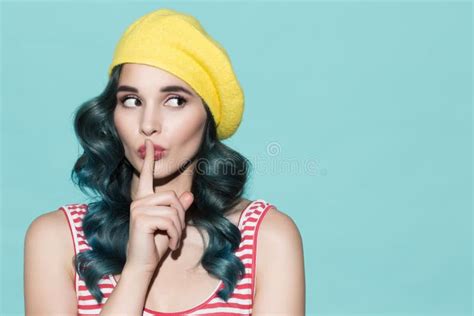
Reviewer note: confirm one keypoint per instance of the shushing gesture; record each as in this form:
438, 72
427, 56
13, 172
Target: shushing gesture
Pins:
156, 219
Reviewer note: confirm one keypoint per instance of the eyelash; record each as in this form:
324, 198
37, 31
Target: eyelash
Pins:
132, 96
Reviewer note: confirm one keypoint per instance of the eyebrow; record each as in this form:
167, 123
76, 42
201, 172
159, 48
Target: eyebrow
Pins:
163, 89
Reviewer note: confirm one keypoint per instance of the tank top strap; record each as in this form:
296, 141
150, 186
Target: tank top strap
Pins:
75, 214
250, 224
253, 215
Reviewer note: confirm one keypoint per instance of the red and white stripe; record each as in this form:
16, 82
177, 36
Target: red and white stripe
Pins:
239, 303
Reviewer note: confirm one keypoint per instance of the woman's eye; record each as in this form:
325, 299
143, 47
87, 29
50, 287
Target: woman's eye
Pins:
126, 98
183, 100
180, 101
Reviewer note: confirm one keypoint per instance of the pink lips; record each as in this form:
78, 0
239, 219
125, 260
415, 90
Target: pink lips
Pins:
159, 151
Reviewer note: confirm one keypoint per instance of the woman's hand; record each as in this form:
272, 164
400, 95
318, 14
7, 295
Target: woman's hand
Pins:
156, 219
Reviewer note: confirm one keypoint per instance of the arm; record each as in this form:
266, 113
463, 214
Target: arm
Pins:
280, 267
48, 252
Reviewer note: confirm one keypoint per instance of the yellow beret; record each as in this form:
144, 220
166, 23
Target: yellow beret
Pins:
176, 42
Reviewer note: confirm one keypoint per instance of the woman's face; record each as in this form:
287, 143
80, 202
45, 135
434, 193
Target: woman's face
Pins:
149, 107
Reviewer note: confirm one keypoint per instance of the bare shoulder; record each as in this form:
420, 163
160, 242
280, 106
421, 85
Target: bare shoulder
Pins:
277, 226
52, 228
51, 224
48, 269
279, 266
54, 219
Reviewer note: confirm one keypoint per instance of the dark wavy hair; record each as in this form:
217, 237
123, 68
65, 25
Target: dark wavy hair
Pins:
103, 172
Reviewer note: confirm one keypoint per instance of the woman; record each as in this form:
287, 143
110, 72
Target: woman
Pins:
169, 232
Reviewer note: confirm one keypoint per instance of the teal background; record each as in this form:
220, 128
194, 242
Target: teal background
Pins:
358, 122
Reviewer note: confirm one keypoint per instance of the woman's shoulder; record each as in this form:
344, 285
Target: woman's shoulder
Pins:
280, 250
277, 219
50, 221
50, 231
52, 226
278, 228
274, 220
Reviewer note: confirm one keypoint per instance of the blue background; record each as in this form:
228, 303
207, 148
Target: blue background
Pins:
357, 120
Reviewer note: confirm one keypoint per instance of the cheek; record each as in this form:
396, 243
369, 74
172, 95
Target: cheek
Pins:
118, 126
187, 130
121, 126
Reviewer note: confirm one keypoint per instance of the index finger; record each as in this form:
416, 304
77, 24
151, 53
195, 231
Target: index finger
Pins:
145, 183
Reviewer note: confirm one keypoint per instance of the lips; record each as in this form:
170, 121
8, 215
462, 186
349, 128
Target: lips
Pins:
159, 151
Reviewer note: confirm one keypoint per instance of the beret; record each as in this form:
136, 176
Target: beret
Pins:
177, 43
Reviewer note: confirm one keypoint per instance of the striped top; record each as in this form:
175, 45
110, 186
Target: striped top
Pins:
240, 301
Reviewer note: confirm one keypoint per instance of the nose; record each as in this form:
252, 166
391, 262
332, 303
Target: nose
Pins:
150, 121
